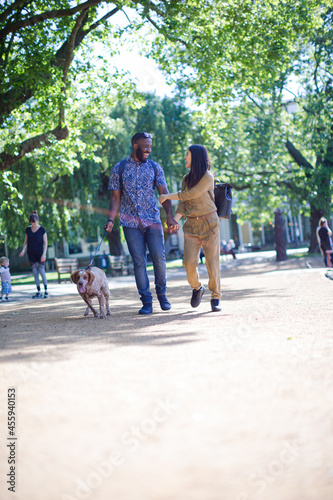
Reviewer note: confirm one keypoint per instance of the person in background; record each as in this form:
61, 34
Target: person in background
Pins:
36, 245
201, 228
6, 287
133, 182
324, 234
227, 248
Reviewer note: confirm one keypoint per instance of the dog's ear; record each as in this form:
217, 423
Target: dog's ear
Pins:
75, 277
91, 277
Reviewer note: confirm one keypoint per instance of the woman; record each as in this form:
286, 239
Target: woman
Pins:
36, 244
201, 228
324, 234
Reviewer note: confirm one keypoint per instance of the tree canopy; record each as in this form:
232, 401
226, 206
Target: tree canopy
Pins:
45, 54
237, 61
242, 69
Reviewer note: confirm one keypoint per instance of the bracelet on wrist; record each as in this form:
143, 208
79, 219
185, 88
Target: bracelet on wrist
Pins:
110, 220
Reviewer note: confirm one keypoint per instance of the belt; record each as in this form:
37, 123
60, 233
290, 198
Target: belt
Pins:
205, 217
202, 216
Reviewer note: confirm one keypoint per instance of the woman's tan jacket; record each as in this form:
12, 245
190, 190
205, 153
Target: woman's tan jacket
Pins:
197, 201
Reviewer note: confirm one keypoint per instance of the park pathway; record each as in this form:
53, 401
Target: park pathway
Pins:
179, 405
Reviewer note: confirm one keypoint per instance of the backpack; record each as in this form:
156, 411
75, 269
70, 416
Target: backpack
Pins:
222, 199
122, 167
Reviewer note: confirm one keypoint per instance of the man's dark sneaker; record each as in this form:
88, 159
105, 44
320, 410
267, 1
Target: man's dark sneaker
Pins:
146, 309
46, 295
164, 303
37, 295
215, 303
197, 296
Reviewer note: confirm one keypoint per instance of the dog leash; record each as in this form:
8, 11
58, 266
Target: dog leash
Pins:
97, 250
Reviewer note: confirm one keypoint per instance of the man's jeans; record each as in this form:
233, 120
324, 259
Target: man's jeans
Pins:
138, 239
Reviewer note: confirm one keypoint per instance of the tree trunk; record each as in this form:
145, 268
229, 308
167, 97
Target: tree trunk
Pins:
280, 237
315, 215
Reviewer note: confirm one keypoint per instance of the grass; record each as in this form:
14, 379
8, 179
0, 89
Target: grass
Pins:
303, 254
170, 264
29, 280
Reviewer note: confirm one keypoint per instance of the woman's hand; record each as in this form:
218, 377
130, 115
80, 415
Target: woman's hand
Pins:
162, 198
22, 253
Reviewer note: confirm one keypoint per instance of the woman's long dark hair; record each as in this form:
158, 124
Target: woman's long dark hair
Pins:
199, 165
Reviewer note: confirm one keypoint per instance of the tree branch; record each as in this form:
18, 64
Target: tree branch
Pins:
242, 187
15, 97
255, 102
51, 14
299, 159
5, 62
7, 160
303, 193
68, 62
102, 19
5, 14
167, 36
62, 52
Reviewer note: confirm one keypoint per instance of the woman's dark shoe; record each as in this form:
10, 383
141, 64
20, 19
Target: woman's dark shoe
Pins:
197, 296
146, 309
215, 303
164, 303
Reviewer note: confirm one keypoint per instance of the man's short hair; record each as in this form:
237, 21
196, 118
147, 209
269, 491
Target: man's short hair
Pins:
140, 135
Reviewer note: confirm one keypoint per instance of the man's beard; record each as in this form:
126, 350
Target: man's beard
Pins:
139, 154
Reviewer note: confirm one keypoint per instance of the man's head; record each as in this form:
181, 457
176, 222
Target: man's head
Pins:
141, 146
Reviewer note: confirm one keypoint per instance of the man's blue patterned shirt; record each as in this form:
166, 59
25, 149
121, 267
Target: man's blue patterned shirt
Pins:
138, 204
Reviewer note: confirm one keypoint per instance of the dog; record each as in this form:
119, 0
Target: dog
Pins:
93, 283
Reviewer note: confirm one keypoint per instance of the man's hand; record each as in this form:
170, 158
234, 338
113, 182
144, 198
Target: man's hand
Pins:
172, 225
109, 226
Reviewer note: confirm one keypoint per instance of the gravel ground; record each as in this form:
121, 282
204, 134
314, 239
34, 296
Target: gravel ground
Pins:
180, 405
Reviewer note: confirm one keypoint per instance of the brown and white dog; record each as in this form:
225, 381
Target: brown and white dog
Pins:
93, 283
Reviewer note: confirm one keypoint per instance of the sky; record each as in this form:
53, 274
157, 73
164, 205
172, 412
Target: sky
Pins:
145, 71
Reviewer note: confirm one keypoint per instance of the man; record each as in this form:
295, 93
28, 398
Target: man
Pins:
133, 183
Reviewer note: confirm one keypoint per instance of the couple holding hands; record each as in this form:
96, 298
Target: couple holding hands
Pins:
133, 183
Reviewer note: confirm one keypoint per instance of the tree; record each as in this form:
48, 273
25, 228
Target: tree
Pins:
311, 144
45, 50
250, 54
75, 205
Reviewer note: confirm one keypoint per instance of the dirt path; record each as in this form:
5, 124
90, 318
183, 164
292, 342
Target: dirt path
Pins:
183, 405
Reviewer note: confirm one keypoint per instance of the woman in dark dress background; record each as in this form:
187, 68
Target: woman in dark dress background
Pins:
36, 245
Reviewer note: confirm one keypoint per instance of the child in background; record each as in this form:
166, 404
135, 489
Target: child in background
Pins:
6, 287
